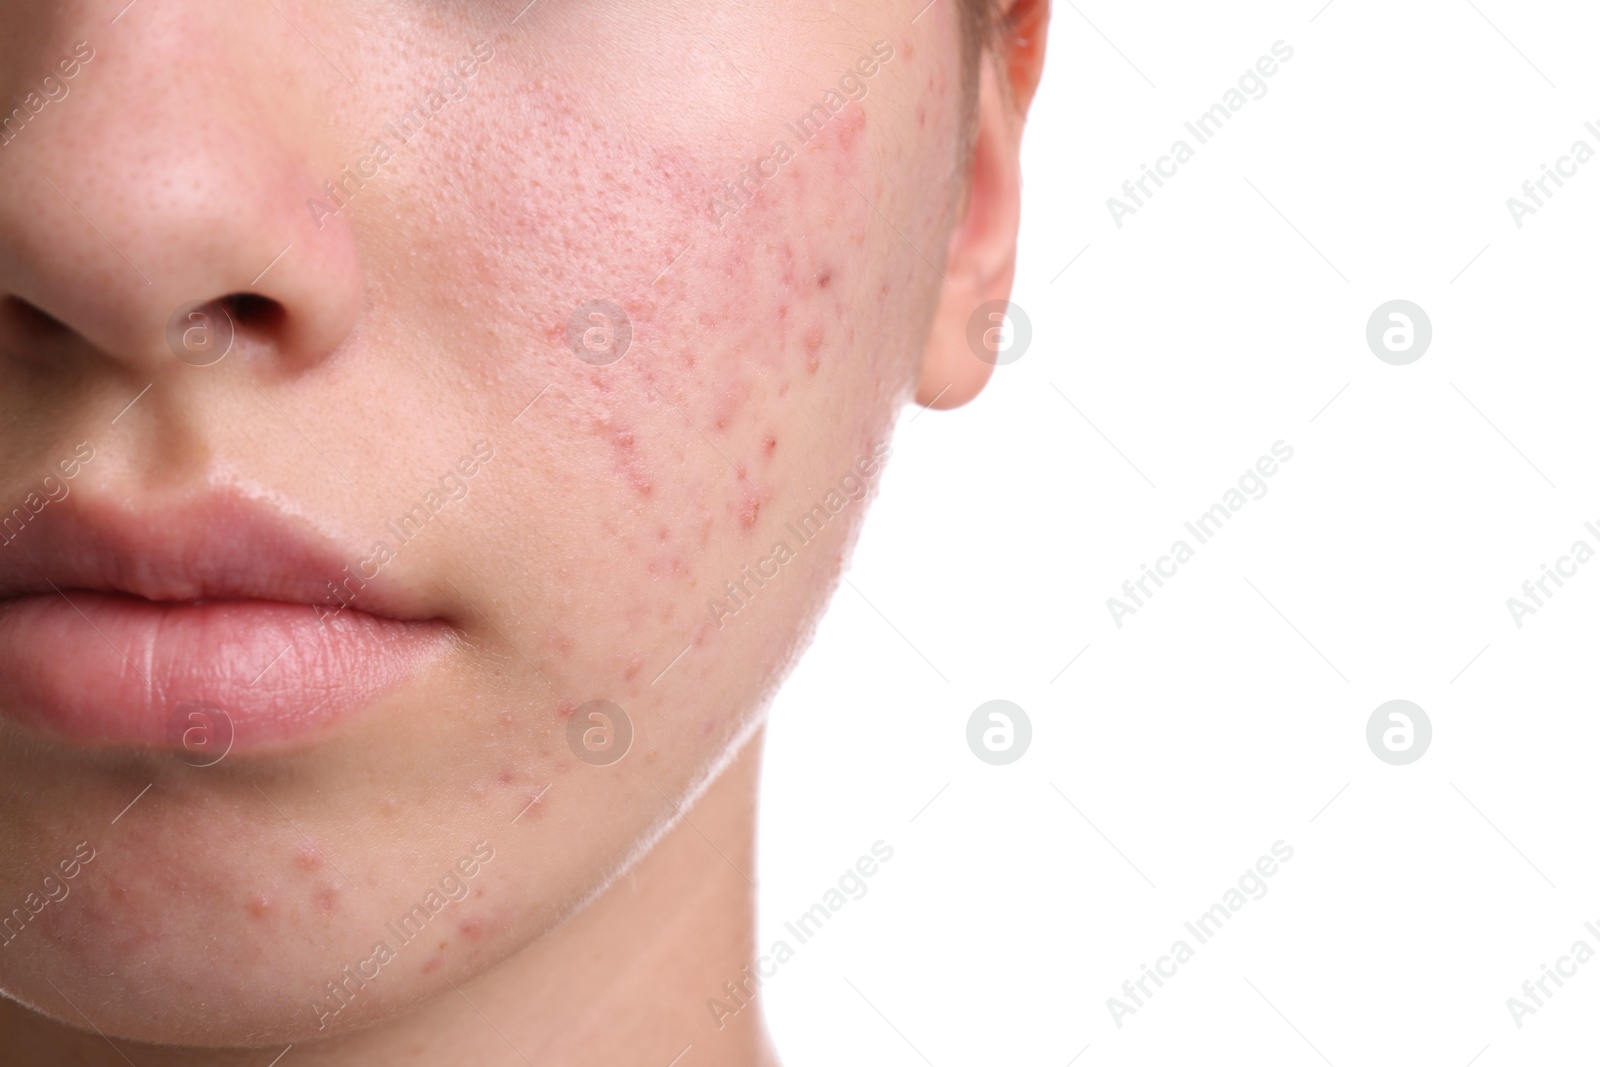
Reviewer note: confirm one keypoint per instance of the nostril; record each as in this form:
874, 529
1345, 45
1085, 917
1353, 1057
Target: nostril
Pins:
203, 333
254, 312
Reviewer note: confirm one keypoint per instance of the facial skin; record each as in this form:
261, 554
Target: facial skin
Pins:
424, 311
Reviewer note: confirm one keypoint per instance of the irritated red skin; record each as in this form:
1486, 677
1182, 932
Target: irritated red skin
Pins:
770, 353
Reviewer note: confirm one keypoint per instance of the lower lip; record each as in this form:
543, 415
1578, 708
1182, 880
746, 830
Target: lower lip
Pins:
204, 679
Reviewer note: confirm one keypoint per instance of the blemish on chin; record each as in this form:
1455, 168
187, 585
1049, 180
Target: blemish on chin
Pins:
813, 343
848, 127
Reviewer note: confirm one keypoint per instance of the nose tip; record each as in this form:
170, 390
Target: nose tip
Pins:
191, 210
145, 271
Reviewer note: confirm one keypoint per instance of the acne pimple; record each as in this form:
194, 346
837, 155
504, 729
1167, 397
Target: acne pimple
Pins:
258, 906
770, 444
327, 899
824, 279
565, 708
306, 857
851, 122
560, 642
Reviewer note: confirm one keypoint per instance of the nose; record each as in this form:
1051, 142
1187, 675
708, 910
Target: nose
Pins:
171, 175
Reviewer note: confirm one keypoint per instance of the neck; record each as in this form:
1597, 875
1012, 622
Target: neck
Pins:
624, 980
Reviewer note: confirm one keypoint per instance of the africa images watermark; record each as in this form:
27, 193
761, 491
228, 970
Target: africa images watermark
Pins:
736, 195
1203, 929
1566, 567
1566, 167
51, 490
453, 486
52, 89
805, 529
353, 177
851, 885
1205, 126
452, 887
1206, 526
1531, 1000
55, 890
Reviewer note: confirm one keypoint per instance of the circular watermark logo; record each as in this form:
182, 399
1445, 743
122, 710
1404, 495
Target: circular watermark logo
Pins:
200, 332
200, 732
999, 332
599, 733
599, 332
1399, 332
1399, 732
999, 732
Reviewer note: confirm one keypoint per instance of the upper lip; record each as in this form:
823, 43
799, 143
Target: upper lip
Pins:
217, 546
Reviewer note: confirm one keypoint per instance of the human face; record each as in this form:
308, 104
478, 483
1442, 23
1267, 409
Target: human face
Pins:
571, 343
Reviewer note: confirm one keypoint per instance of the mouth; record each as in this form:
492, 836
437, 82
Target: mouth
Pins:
214, 626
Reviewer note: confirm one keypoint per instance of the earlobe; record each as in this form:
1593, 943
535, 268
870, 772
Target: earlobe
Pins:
981, 260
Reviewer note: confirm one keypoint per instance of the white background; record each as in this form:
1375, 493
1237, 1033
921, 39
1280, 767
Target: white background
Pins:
1228, 713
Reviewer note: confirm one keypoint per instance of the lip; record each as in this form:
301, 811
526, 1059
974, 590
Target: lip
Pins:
119, 628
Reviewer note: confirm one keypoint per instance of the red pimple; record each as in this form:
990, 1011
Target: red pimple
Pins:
565, 708
429, 967
306, 857
258, 906
326, 899
824, 279
771, 444
851, 122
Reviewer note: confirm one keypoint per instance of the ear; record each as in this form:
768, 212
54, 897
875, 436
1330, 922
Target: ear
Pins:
982, 257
